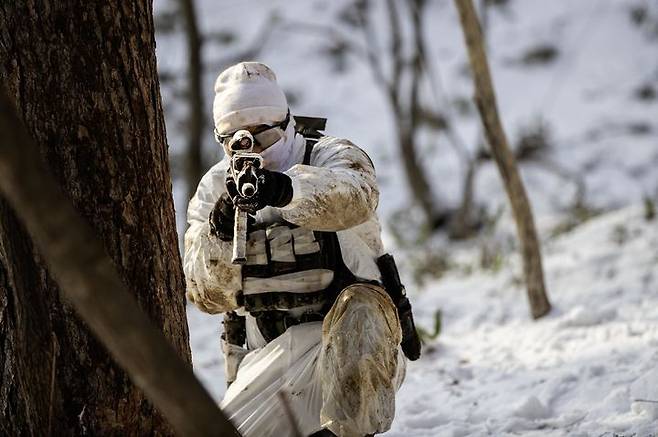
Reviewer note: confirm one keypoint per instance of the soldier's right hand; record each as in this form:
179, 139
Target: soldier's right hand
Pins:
222, 218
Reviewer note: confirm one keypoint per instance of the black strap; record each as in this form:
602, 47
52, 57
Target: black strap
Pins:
310, 127
310, 142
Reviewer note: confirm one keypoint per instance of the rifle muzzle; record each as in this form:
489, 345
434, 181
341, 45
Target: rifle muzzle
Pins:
248, 190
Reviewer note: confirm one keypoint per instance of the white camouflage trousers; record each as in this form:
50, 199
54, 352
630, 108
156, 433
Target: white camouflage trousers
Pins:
341, 373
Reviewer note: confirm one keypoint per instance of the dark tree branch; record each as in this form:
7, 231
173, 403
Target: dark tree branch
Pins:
434, 81
397, 57
374, 55
416, 63
323, 31
195, 119
464, 222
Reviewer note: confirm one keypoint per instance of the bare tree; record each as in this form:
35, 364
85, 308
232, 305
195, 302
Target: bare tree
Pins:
404, 101
82, 75
401, 70
485, 100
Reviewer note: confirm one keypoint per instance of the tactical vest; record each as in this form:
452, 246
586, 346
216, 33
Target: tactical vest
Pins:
292, 274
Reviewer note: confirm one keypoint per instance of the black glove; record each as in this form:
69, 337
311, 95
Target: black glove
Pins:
274, 189
222, 218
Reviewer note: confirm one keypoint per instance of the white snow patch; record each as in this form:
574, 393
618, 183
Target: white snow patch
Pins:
644, 395
582, 316
532, 409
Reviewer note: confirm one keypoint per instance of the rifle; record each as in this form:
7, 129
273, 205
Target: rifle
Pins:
244, 165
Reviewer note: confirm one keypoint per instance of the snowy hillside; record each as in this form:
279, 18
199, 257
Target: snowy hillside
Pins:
587, 369
587, 73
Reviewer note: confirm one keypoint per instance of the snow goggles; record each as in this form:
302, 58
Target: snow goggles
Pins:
264, 134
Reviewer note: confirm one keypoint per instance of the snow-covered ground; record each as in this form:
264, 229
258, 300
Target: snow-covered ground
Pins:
587, 369
590, 367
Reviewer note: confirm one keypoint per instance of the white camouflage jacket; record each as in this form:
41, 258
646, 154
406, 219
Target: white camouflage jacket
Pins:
336, 192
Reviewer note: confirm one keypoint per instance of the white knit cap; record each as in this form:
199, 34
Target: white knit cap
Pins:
247, 94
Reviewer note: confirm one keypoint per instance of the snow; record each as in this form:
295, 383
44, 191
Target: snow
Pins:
581, 369
589, 367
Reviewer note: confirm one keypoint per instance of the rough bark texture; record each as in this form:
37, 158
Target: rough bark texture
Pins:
486, 103
91, 282
83, 78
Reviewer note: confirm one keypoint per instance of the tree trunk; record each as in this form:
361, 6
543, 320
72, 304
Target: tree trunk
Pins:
416, 177
90, 281
83, 77
486, 103
195, 166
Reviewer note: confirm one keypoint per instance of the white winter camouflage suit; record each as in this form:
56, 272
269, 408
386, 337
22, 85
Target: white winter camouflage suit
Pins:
341, 373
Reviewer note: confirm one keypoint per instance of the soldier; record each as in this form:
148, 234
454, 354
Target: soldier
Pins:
307, 317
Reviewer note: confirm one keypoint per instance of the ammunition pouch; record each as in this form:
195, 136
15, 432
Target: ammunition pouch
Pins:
291, 268
235, 331
271, 324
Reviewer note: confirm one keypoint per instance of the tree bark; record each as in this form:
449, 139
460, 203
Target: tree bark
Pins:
91, 283
83, 78
485, 100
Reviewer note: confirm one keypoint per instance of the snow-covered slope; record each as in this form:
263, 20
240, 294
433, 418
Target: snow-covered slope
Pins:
588, 369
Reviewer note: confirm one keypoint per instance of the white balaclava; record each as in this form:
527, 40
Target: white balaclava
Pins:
247, 94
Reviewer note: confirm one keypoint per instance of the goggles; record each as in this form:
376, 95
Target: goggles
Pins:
264, 134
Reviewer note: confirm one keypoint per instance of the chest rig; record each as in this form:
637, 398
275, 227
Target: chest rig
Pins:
292, 274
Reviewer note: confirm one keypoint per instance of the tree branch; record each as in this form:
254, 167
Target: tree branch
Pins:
195, 118
396, 50
373, 55
416, 63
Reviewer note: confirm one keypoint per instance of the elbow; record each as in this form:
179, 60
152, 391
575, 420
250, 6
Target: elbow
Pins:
360, 208
349, 210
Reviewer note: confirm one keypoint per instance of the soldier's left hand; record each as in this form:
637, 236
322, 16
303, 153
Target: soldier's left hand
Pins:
274, 189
